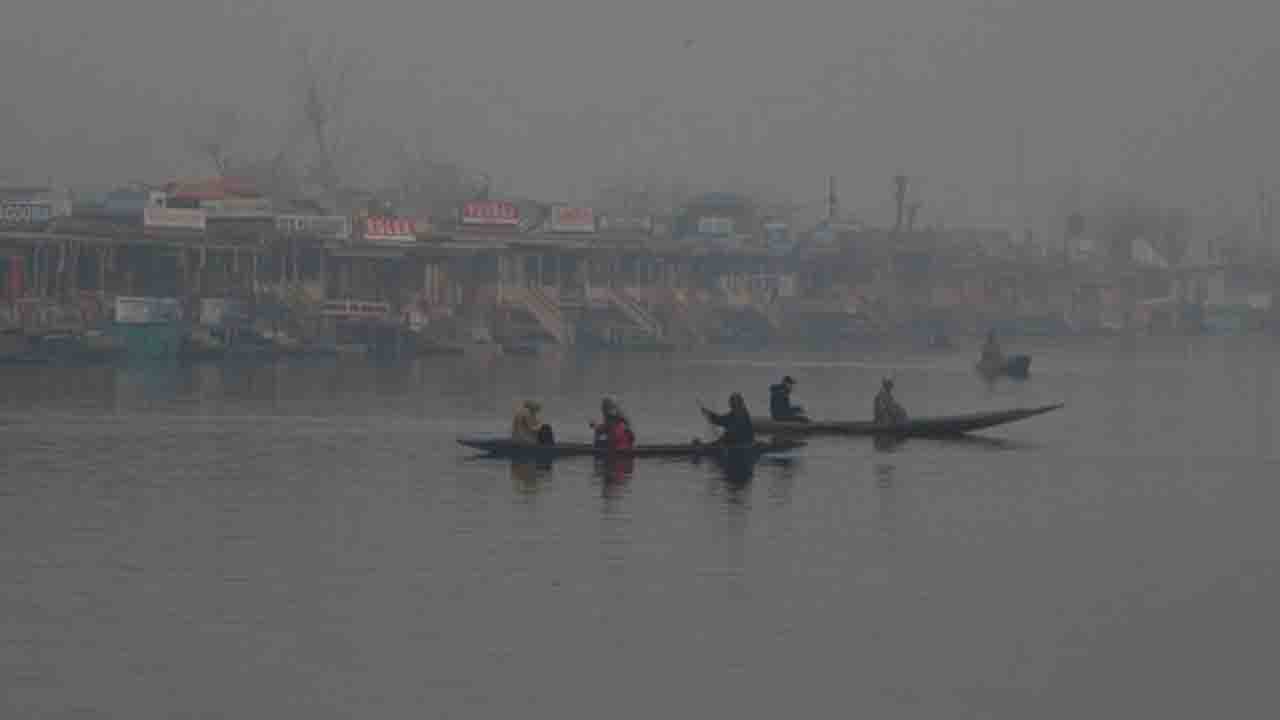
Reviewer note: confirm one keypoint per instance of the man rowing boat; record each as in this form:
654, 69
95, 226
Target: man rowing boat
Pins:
887, 409
738, 429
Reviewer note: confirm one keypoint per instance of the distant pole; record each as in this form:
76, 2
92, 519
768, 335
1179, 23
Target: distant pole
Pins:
1265, 239
832, 203
900, 200
1019, 152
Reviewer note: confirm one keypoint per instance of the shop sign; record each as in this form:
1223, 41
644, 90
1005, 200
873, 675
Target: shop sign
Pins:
565, 219
490, 212
323, 227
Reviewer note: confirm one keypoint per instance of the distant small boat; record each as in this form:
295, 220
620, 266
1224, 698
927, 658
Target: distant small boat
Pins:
507, 448
943, 426
1017, 367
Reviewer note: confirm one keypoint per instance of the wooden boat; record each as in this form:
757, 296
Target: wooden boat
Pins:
945, 426
1017, 367
505, 447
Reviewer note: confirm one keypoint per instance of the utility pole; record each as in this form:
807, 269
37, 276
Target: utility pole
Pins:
1074, 226
833, 204
1020, 201
1265, 207
900, 202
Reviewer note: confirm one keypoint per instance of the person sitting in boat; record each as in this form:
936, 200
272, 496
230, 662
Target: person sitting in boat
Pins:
614, 431
527, 427
887, 409
780, 407
992, 354
738, 429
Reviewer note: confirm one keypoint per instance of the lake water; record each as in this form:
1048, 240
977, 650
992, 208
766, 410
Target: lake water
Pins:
308, 541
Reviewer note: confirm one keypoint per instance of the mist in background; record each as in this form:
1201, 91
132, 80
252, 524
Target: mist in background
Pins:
1170, 99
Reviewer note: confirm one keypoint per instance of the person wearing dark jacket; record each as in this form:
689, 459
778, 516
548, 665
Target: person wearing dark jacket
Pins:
887, 409
780, 407
738, 429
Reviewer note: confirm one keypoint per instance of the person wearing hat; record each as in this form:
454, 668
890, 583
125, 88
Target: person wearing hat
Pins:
527, 427
887, 409
780, 407
614, 431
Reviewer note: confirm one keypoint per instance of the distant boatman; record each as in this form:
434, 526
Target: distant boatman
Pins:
887, 410
780, 407
614, 431
527, 427
992, 354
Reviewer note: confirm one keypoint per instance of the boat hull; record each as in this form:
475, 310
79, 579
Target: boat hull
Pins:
504, 447
947, 426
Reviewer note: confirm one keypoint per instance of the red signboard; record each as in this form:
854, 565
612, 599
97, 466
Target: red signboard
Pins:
490, 212
394, 229
572, 219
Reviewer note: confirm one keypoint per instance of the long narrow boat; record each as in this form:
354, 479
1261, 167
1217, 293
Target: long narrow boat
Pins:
945, 426
504, 447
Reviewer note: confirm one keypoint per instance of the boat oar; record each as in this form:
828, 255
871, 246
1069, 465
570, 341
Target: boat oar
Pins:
706, 413
707, 417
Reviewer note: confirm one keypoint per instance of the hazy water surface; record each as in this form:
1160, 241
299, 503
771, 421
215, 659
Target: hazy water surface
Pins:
307, 541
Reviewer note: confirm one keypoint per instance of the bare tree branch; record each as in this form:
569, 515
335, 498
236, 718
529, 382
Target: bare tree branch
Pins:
215, 135
326, 79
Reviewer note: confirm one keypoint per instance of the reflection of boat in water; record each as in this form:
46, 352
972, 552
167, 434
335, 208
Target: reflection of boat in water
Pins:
505, 447
942, 426
1017, 367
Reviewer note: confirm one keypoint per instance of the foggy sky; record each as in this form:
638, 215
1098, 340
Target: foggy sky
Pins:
1170, 97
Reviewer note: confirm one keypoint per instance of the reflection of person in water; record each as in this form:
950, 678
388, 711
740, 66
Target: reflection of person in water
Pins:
782, 481
888, 495
614, 474
738, 472
529, 476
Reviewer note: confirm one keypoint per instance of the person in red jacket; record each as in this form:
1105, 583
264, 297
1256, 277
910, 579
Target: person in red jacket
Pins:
614, 432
